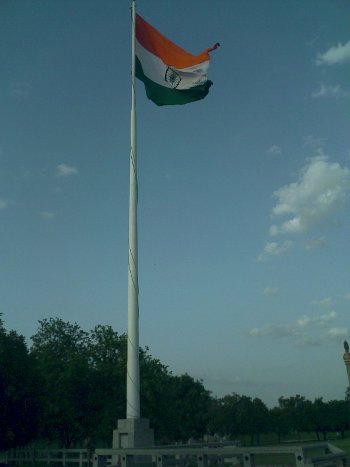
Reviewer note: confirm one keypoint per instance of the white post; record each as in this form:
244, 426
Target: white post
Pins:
133, 431
133, 367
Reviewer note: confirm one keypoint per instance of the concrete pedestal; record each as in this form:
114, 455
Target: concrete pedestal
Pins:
133, 433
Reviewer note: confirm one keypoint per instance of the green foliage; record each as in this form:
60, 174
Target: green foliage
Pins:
70, 387
84, 381
19, 389
235, 415
321, 418
279, 422
340, 415
83, 376
107, 357
59, 350
298, 410
190, 404
156, 381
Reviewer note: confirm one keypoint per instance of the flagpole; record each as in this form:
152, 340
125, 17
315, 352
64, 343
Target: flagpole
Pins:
133, 365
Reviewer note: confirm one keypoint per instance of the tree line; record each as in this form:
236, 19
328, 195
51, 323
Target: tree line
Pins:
69, 386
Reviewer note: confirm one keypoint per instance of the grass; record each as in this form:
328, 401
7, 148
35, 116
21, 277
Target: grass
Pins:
342, 444
272, 439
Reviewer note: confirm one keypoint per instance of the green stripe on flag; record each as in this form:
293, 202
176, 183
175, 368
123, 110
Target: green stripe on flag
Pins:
161, 95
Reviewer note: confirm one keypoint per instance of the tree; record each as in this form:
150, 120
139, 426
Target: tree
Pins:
224, 419
61, 354
235, 415
84, 377
299, 412
241, 415
156, 396
19, 392
339, 413
108, 358
190, 406
321, 419
260, 419
279, 422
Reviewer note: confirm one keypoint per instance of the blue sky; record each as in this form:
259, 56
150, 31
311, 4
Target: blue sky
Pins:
243, 197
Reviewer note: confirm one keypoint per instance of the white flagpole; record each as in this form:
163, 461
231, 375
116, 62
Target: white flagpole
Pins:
133, 366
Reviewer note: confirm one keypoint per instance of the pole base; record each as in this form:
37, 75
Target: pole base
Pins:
133, 433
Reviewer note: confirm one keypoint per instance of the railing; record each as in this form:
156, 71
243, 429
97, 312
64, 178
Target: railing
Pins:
49, 457
309, 455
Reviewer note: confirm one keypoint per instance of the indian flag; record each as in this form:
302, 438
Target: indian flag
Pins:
170, 74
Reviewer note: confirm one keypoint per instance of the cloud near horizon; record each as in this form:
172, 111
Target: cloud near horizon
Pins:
306, 330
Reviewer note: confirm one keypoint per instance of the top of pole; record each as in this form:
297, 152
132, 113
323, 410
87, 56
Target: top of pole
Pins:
133, 34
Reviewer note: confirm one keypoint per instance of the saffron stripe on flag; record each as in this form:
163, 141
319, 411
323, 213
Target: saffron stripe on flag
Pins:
170, 53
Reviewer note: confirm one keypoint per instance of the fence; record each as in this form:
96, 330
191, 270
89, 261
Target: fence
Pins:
309, 455
49, 457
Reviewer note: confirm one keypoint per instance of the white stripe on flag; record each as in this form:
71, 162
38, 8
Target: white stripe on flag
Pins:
155, 69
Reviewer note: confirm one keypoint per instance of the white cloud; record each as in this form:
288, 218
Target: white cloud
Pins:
331, 91
274, 150
47, 215
313, 243
336, 334
270, 291
314, 143
20, 89
4, 204
274, 249
320, 320
337, 54
63, 170
322, 188
273, 330
306, 330
327, 302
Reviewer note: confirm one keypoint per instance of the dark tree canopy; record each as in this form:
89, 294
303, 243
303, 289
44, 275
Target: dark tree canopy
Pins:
19, 391
69, 390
